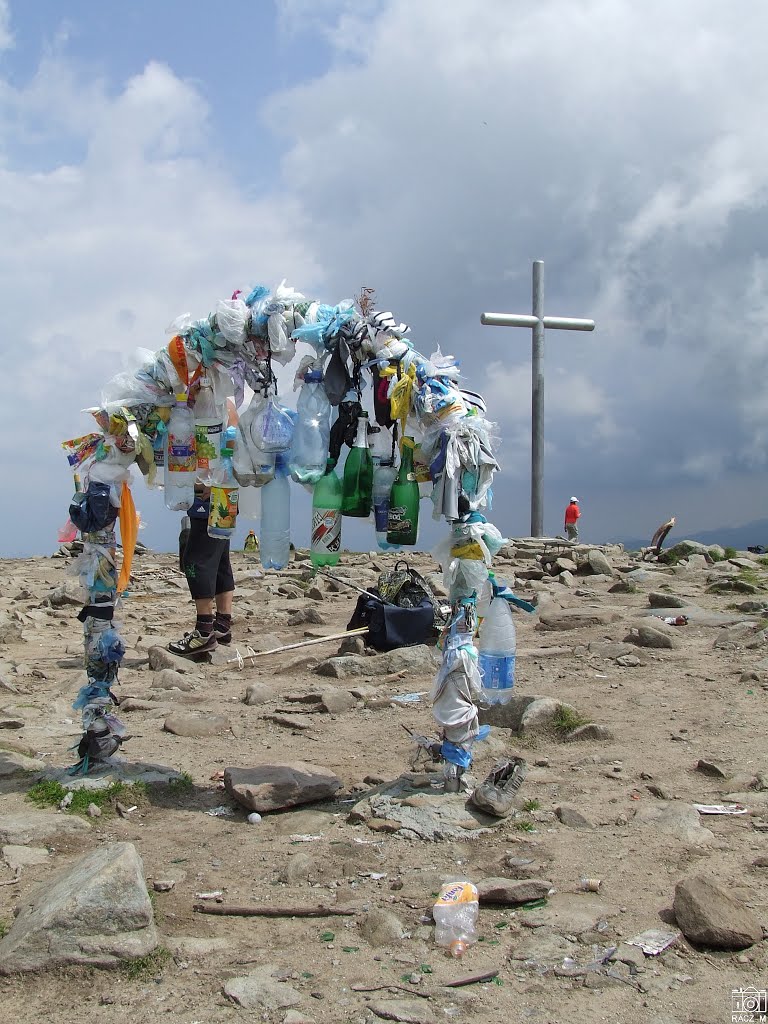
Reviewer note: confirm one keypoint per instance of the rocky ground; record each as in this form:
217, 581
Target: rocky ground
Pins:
681, 711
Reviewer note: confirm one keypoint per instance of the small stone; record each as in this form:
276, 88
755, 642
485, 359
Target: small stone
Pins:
628, 661
94, 811
542, 762
711, 769
381, 927
259, 693
163, 884
272, 787
649, 636
509, 892
590, 731
169, 679
315, 594
572, 817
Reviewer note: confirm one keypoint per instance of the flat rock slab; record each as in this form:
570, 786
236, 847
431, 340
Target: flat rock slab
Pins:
96, 913
13, 763
185, 724
577, 618
24, 856
710, 916
572, 913
409, 1011
275, 787
415, 813
678, 819
170, 679
110, 772
37, 826
696, 616
406, 659
260, 990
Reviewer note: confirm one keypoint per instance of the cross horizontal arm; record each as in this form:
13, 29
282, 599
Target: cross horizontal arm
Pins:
569, 323
508, 320
563, 323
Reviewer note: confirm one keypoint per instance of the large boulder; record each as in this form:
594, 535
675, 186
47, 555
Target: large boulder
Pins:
97, 912
710, 916
273, 787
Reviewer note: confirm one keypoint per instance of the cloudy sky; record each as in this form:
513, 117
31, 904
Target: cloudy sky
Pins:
154, 157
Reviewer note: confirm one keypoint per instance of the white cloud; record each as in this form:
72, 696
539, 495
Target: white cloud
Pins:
6, 36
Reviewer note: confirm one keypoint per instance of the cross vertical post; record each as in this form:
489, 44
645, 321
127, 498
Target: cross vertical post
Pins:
538, 322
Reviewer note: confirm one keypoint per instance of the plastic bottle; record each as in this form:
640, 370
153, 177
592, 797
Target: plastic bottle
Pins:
249, 502
180, 457
313, 431
455, 913
497, 650
209, 426
275, 533
384, 476
326, 518
222, 515
358, 474
403, 519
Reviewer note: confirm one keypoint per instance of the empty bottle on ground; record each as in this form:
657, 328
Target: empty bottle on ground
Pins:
326, 518
455, 913
309, 452
358, 474
497, 651
180, 457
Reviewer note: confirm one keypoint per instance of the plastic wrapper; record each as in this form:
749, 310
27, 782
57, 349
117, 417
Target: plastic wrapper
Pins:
272, 428
232, 318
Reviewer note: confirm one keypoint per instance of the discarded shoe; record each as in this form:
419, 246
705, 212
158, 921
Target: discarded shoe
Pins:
193, 645
496, 794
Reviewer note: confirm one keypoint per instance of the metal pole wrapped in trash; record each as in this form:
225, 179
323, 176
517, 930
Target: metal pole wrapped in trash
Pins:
454, 695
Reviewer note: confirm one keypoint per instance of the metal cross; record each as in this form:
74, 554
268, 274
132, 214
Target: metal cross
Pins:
538, 323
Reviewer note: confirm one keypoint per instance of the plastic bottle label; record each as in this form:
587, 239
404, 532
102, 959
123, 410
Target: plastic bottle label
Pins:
224, 503
398, 520
208, 442
497, 673
326, 529
182, 457
381, 513
456, 892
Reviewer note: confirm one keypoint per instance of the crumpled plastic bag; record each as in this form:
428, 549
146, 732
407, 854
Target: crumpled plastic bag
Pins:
272, 429
232, 317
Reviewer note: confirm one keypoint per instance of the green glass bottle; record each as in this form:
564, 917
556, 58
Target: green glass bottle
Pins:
403, 520
326, 518
358, 474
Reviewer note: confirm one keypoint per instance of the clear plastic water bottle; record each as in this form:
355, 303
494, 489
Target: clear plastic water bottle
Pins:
275, 533
225, 493
497, 651
209, 427
313, 431
384, 475
180, 458
455, 913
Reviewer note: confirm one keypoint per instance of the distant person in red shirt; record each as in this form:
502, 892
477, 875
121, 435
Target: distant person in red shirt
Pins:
572, 514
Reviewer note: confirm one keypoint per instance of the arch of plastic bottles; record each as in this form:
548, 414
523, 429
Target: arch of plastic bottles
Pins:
236, 346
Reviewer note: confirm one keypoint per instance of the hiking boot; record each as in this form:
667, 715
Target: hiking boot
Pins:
193, 644
496, 794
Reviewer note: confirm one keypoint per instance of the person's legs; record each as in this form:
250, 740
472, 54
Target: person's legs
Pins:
200, 563
225, 589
